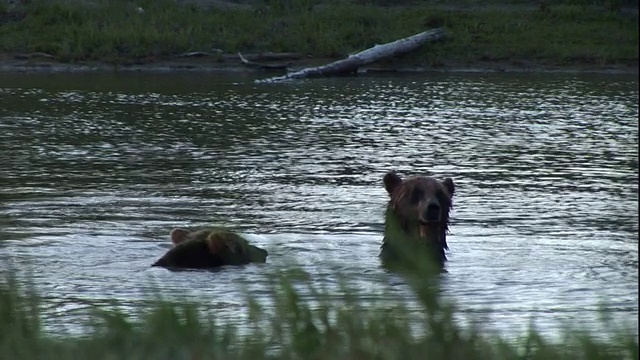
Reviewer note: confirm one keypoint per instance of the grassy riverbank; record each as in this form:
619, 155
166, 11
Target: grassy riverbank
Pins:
316, 328
513, 33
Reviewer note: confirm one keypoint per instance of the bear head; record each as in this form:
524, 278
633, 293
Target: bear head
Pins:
211, 248
417, 213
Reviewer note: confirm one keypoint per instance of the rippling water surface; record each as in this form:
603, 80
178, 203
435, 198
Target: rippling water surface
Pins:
96, 169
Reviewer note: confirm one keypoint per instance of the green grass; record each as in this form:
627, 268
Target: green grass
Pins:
113, 31
296, 328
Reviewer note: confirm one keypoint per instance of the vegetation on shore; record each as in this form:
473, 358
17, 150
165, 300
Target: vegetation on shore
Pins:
121, 31
314, 326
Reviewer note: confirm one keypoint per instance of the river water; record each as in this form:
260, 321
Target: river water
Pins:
95, 169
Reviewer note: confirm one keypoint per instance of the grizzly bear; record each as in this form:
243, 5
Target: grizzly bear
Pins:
207, 249
417, 214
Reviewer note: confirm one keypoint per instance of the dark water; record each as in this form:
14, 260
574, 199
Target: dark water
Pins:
96, 169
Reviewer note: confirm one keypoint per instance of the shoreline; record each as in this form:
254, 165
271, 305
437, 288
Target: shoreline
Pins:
54, 36
229, 63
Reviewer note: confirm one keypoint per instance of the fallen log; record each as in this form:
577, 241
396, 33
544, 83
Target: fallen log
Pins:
354, 61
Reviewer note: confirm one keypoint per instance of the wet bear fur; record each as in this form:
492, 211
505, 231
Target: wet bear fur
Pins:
416, 220
209, 249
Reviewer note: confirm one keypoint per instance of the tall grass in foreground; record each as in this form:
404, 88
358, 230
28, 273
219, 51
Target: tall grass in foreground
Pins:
296, 329
114, 31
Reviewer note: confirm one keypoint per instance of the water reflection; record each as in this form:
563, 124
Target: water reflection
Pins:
95, 173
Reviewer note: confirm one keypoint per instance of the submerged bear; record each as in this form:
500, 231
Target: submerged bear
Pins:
416, 219
208, 249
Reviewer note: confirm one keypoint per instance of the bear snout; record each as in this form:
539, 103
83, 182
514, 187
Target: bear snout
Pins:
432, 212
257, 254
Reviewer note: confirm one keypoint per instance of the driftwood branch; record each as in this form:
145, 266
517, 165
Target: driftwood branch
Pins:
271, 56
353, 62
262, 65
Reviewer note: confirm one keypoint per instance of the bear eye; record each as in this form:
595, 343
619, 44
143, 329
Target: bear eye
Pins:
416, 195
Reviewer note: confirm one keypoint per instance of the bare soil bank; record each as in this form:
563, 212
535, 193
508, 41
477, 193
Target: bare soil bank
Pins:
231, 63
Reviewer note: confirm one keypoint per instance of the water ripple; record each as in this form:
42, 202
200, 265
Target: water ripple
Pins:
545, 213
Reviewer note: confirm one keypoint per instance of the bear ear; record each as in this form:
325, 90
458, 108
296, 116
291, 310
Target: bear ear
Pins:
448, 183
391, 181
178, 235
215, 243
